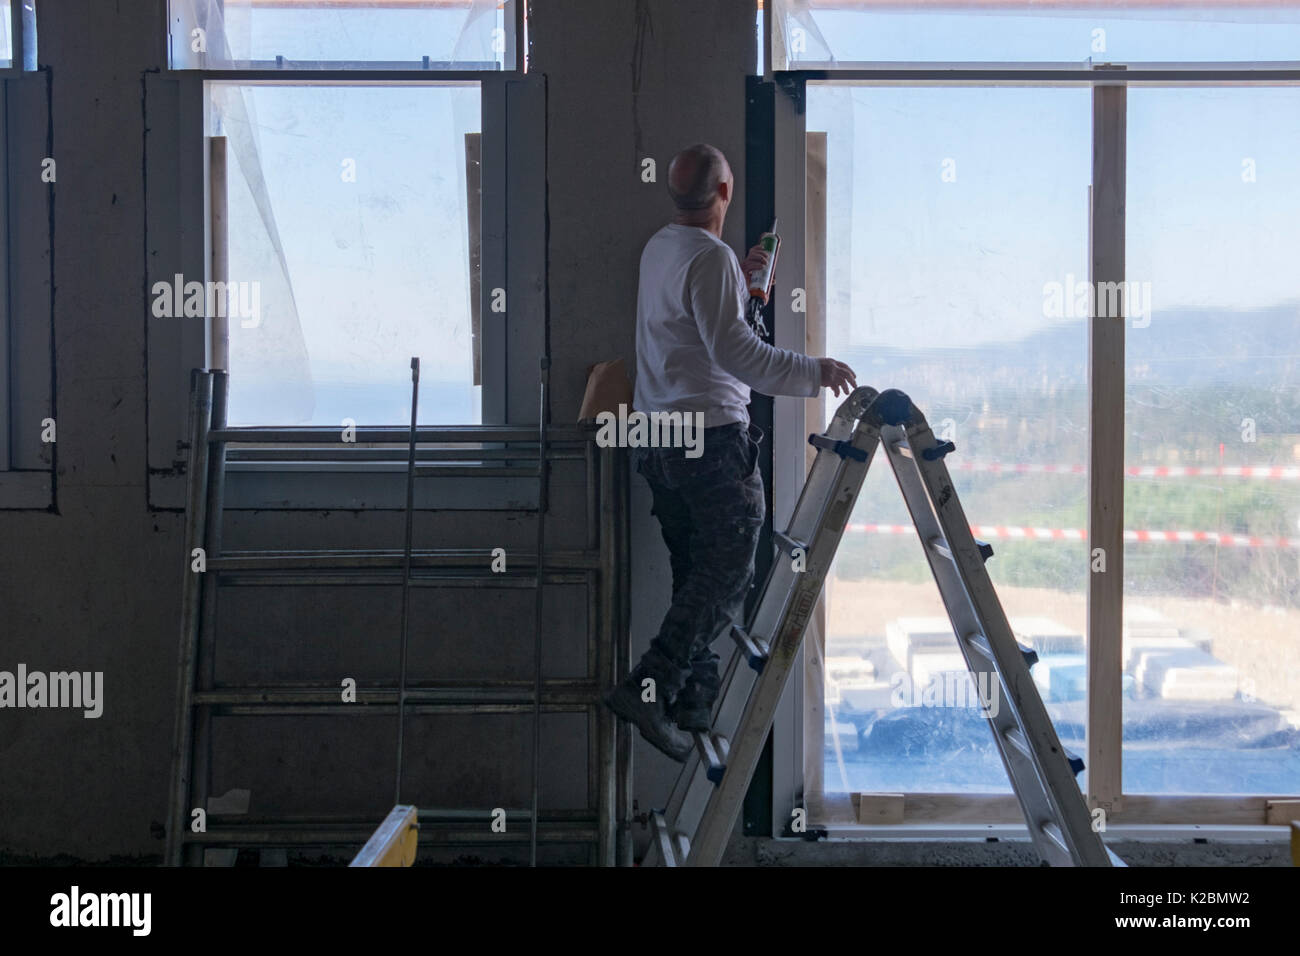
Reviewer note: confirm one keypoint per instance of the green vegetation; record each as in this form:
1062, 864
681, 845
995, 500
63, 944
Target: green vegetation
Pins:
1174, 427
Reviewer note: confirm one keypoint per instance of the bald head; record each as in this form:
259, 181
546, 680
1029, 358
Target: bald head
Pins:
695, 175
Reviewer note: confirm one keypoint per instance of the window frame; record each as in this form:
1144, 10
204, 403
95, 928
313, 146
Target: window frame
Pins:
923, 69
27, 466
513, 254
962, 815
22, 27
515, 54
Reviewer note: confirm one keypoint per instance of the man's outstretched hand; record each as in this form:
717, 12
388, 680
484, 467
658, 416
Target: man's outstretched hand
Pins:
837, 375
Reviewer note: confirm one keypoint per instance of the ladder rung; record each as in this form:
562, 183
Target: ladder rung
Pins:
477, 580
1015, 738
514, 693
1053, 833
788, 544
1028, 653
755, 651
473, 471
980, 644
940, 546
473, 561
713, 753
236, 833
399, 434
662, 835
1076, 762
841, 447
396, 455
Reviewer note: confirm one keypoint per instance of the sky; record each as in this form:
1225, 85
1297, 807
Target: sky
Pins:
915, 257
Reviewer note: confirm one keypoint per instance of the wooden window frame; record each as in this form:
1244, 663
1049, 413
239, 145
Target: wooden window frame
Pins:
1106, 377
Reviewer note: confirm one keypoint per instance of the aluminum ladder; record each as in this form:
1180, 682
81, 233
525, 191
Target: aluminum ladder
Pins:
524, 453
696, 824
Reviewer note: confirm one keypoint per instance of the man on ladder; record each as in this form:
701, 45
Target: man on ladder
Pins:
696, 353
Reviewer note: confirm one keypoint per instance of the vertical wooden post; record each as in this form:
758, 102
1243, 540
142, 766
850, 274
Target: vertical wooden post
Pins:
219, 266
474, 205
789, 180
1106, 452
814, 644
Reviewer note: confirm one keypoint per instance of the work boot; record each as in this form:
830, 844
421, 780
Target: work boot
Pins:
649, 718
692, 710
693, 719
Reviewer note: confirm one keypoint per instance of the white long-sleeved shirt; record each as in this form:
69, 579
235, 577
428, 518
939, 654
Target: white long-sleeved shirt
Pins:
694, 350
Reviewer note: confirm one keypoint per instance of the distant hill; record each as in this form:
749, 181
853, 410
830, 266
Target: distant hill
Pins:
1259, 348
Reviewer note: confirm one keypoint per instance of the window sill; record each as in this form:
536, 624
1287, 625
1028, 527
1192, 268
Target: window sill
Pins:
978, 833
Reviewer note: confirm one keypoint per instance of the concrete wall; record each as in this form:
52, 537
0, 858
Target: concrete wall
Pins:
630, 80
97, 585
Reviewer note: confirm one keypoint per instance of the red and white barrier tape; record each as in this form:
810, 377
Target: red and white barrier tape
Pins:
1273, 472
990, 532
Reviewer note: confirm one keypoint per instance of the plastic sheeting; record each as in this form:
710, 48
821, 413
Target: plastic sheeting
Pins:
831, 33
308, 34
339, 34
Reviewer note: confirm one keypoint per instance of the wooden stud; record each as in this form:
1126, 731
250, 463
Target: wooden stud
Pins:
1106, 454
880, 809
814, 644
838, 809
474, 205
219, 263
1281, 812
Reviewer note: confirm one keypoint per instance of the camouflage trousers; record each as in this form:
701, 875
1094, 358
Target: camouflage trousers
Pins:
710, 510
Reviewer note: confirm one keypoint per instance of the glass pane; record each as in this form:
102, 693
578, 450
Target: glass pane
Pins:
349, 235
6, 35
338, 34
828, 33
1212, 406
954, 217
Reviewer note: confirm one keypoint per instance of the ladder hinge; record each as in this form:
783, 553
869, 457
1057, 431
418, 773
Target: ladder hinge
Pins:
642, 818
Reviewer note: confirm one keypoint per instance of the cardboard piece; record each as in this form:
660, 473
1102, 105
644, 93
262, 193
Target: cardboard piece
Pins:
608, 386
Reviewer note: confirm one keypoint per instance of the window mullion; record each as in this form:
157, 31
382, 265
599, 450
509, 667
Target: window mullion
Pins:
1106, 453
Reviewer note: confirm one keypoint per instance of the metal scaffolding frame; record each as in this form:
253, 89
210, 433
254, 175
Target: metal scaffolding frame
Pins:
602, 565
